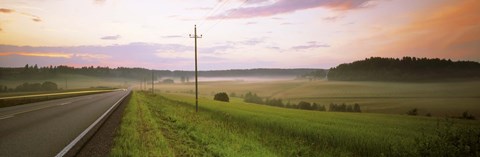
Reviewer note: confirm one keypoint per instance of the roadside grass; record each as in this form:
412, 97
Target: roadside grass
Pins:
243, 129
139, 134
185, 132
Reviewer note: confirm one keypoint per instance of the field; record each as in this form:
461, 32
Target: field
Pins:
437, 98
167, 125
75, 81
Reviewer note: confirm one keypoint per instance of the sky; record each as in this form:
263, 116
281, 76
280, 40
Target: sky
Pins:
236, 34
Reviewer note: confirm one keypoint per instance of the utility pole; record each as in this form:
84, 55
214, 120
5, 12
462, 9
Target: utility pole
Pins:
66, 84
196, 70
152, 81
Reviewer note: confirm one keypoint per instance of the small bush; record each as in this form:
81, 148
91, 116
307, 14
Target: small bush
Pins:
466, 115
222, 96
304, 105
413, 112
252, 98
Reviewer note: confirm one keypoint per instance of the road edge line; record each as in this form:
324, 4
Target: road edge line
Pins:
67, 148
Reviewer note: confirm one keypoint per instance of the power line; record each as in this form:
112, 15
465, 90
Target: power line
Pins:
212, 11
232, 13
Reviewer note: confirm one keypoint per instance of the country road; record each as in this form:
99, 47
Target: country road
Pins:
45, 128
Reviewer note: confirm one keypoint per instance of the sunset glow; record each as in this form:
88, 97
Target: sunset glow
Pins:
237, 34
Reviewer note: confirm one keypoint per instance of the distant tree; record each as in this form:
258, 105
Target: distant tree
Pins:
252, 98
48, 86
342, 107
288, 105
304, 105
222, 96
349, 108
466, 115
322, 108
232, 94
168, 81
274, 102
182, 79
413, 112
356, 108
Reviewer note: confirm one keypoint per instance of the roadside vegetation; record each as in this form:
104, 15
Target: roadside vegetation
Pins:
237, 128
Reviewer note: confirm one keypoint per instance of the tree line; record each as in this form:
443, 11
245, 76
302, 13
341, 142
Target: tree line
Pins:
405, 69
31, 87
250, 97
35, 71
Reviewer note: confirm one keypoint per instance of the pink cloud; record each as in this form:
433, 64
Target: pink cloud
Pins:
310, 45
288, 6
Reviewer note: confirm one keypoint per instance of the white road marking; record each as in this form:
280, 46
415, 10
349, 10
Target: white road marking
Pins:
75, 141
6, 117
31, 110
65, 103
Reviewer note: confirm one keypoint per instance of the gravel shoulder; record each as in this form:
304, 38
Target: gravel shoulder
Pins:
102, 141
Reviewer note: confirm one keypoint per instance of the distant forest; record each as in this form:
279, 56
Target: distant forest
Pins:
33, 71
405, 69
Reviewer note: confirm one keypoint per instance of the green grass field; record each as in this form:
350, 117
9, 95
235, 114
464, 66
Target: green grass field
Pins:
167, 125
437, 98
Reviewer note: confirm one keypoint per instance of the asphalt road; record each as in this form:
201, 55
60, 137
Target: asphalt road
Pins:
45, 128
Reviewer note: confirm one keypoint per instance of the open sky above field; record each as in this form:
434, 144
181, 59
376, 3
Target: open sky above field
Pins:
236, 33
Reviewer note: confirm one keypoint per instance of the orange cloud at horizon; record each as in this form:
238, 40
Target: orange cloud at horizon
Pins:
38, 54
451, 31
56, 55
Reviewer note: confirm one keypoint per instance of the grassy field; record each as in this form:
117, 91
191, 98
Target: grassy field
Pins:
75, 81
438, 98
167, 125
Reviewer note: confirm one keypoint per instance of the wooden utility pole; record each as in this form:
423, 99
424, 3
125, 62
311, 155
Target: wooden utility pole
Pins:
196, 70
152, 82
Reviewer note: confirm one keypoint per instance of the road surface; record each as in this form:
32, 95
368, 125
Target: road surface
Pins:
45, 128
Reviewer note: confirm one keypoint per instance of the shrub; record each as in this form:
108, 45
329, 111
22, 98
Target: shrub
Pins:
48, 86
356, 108
466, 115
168, 81
413, 112
252, 98
222, 96
304, 105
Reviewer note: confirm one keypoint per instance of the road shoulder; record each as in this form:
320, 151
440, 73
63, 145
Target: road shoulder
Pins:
102, 141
